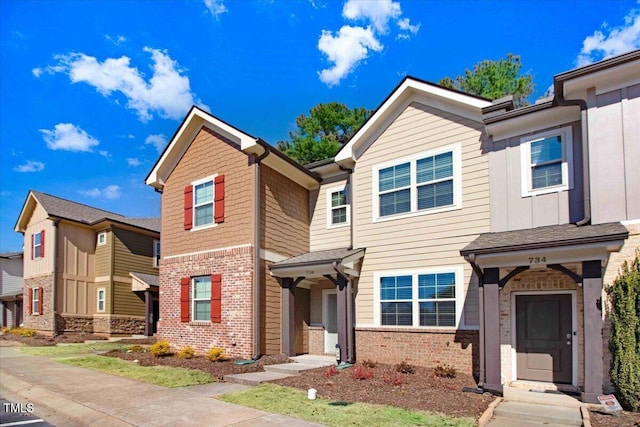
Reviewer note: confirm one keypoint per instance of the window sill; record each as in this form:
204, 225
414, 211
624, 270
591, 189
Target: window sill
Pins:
411, 329
204, 227
416, 213
331, 227
200, 323
546, 190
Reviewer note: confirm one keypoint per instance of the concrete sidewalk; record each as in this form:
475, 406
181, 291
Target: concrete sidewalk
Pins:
91, 398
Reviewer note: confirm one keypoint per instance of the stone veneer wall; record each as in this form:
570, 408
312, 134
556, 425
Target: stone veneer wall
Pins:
458, 348
536, 281
118, 325
235, 333
40, 322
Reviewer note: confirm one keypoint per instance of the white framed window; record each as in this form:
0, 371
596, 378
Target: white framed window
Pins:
201, 298
102, 238
101, 294
338, 209
35, 301
156, 253
430, 298
547, 162
203, 202
429, 182
37, 245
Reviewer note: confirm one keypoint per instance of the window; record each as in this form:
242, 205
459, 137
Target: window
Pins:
337, 207
102, 238
420, 298
37, 245
35, 301
201, 298
425, 183
547, 162
203, 204
156, 253
101, 299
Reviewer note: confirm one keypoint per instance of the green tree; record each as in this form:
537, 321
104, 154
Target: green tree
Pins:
624, 341
322, 133
494, 79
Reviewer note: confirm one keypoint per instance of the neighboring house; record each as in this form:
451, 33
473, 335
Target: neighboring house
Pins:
11, 289
448, 230
86, 269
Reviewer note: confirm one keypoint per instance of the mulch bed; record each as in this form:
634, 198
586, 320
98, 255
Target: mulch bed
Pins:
601, 418
43, 340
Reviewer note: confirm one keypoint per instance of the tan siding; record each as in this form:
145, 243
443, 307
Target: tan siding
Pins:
76, 262
209, 154
104, 256
428, 240
322, 236
133, 253
127, 302
270, 312
284, 214
37, 223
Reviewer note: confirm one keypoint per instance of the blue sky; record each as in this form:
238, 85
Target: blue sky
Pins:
91, 91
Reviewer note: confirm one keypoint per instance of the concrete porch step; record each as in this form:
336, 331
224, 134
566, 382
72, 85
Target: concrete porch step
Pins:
290, 368
547, 397
511, 422
254, 378
547, 414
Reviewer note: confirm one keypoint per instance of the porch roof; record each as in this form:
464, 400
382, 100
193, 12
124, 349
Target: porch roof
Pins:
143, 281
545, 237
315, 263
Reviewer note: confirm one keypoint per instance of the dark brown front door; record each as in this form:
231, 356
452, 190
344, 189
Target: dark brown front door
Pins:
544, 337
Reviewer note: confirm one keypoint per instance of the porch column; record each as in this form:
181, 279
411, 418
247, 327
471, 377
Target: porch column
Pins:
593, 365
288, 315
148, 308
491, 324
343, 327
351, 357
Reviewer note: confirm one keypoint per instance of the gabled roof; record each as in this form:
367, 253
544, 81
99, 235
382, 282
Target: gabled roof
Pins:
410, 89
60, 208
195, 120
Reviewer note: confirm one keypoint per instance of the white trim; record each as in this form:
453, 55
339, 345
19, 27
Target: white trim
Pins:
208, 251
567, 161
325, 316
102, 234
104, 300
458, 270
212, 180
272, 256
630, 222
328, 195
455, 149
193, 299
574, 327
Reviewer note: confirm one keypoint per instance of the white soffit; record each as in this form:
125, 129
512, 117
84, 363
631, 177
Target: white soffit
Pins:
604, 81
533, 122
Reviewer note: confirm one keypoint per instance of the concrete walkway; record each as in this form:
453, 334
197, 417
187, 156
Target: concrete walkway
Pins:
302, 363
81, 397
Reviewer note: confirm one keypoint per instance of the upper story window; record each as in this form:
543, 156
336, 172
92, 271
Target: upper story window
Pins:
547, 162
156, 253
429, 182
204, 203
337, 207
102, 238
37, 245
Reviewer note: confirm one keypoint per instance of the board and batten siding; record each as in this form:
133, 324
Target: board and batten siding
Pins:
323, 236
509, 209
427, 240
76, 268
38, 222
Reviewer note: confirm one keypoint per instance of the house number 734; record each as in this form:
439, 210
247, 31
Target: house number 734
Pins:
537, 259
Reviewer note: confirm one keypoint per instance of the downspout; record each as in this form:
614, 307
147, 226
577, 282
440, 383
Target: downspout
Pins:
350, 195
559, 94
257, 289
54, 326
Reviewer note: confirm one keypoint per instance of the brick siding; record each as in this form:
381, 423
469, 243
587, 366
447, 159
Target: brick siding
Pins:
40, 322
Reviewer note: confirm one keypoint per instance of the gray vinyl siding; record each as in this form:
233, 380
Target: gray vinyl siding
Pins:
510, 210
428, 240
11, 275
614, 154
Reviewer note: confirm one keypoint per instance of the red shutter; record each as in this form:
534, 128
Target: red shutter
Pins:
216, 298
33, 243
219, 199
40, 300
188, 207
42, 244
31, 299
185, 315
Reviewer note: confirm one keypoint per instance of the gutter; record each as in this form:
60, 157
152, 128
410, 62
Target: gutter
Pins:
257, 290
558, 88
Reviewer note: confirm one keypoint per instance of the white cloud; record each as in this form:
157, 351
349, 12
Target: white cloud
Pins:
30, 166
159, 141
215, 7
346, 49
110, 192
37, 71
116, 40
377, 12
68, 137
105, 154
405, 25
166, 93
133, 161
610, 41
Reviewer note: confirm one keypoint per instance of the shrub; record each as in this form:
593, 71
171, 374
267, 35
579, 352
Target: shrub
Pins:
160, 348
23, 332
6, 329
216, 354
361, 373
368, 363
136, 349
405, 368
331, 371
393, 378
624, 341
186, 352
445, 371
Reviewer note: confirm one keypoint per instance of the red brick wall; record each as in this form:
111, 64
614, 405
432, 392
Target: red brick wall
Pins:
458, 349
235, 333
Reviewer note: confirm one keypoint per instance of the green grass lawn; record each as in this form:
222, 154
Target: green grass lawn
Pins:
72, 349
294, 403
165, 376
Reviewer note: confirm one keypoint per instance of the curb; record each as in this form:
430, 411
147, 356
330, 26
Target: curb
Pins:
488, 414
